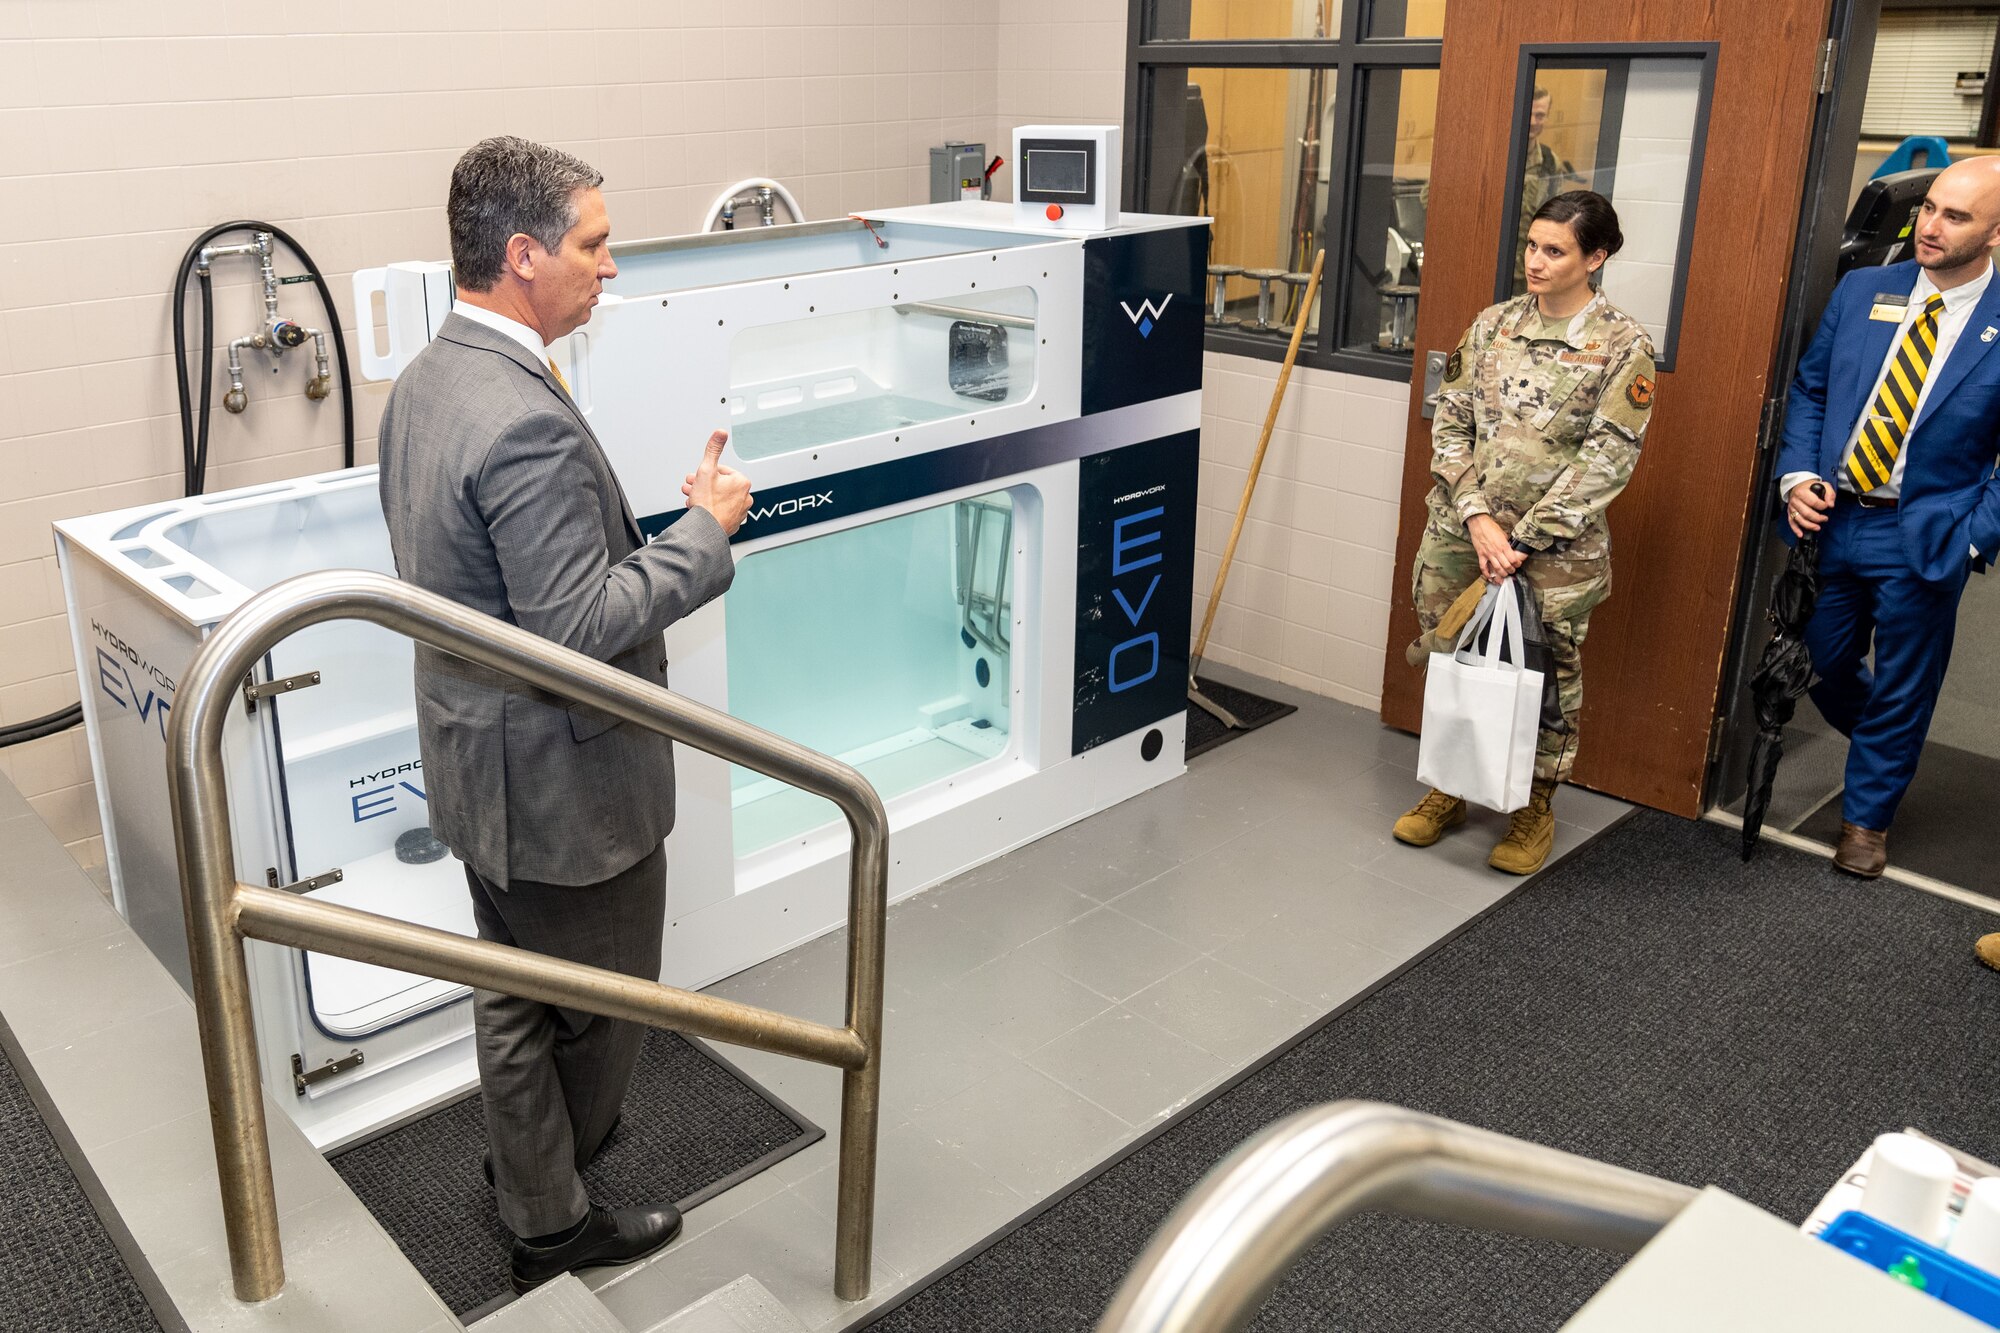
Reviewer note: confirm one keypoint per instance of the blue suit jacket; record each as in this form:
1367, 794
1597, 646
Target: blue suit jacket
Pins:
1950, 498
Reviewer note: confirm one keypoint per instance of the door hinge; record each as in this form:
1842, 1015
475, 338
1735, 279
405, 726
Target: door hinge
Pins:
319, 881
303, 1078
1767, 421
1718, 736
252, 691
1829, 52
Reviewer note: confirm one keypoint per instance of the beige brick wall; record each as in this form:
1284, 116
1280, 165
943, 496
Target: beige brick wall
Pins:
122, 135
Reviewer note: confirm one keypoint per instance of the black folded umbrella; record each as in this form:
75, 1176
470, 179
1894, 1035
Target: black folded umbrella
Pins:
1783, 673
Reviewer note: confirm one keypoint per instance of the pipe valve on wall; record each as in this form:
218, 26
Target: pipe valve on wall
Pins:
278, 333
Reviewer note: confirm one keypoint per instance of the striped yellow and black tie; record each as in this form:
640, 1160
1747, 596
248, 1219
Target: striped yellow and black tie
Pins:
1887, 424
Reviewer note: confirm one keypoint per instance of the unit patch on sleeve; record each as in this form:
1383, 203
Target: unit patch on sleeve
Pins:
1639, 392
1453, 366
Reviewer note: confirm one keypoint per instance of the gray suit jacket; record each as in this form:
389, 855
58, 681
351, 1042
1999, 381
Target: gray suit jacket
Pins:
498, 496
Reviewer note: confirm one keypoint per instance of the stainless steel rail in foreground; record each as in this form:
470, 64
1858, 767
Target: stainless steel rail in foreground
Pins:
222, 913
1224, 1249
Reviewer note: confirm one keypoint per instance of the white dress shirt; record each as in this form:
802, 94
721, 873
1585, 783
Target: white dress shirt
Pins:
1958, 304
531, 340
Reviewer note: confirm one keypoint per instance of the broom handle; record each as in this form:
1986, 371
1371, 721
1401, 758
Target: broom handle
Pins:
1256, 465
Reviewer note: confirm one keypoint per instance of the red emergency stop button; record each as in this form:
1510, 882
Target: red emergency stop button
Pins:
1055, 212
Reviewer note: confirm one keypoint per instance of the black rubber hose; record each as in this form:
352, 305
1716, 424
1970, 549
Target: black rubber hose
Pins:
194, 439
36, 728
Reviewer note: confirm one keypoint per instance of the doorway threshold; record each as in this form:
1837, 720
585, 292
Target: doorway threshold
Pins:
1925, 883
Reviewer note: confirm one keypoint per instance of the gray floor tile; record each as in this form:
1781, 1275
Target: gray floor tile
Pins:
763, 1186
1310, 962
1386, 915
130, 1077
1135, 1069
927, 941
45, 901
1027, 1130
1227, 1012
163, 1183
341, 1272
1590, 809
1387, 789
784, 1242
57, 997
1109, 952
812, 986
1096, 861
1019, 1004
1008, 904
929, 1056
931, 1200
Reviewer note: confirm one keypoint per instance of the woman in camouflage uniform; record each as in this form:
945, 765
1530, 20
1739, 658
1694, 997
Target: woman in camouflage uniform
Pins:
1538, 427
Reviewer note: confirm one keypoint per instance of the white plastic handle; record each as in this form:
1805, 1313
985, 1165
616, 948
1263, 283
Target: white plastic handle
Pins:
368, 283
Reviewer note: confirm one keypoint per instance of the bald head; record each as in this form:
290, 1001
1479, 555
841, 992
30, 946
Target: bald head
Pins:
1958, 224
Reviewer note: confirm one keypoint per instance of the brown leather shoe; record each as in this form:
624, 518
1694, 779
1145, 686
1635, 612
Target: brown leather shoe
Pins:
1862, 851
1987, 950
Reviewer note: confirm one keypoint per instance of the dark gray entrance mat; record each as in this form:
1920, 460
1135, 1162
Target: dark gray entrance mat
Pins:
1649, 1001
1205, 731
58, 1267
1944, 827
693, 1126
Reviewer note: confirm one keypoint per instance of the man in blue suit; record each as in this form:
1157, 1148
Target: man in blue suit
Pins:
1890, 438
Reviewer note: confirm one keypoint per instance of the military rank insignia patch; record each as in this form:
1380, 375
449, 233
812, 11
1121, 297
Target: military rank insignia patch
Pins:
1452, 367
1639, 392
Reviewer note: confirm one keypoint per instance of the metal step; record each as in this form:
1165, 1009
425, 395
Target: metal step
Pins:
744, 1306
562, 1306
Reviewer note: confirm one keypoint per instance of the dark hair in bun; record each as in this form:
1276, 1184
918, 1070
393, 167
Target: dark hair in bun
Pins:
1589, 215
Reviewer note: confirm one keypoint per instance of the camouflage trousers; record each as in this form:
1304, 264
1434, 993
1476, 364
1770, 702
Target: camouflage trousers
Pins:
1446, 563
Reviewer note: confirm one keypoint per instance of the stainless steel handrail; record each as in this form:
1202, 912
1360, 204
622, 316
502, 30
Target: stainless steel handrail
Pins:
1224, 1249
222, 912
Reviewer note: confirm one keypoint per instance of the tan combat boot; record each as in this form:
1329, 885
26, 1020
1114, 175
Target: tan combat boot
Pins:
1987, 950
1530, 836
1432, 816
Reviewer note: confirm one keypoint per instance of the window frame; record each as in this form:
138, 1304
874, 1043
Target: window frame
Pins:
1348, 56
1592, 55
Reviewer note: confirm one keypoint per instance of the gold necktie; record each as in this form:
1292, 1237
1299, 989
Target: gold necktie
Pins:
559, 376
1887, 424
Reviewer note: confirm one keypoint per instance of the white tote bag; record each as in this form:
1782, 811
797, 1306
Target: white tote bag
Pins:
1482, 710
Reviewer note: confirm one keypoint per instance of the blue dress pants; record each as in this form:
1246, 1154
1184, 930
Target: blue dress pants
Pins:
1870, 596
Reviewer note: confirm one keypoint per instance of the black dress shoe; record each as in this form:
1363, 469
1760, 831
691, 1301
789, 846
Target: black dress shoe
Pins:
607, 1237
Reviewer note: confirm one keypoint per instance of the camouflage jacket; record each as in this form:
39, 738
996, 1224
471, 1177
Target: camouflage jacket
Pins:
1540, 425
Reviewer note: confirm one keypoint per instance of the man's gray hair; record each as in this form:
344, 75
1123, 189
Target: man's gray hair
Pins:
506, 186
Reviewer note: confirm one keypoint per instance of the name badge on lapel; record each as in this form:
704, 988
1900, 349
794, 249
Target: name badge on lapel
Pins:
1989, 334
1889, 307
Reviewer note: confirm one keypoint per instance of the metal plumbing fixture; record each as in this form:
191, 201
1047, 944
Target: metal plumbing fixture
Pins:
222, 911
762, 192
278, 333
1224, 1249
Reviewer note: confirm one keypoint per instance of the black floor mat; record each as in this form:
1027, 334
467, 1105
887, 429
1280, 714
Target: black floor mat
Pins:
1944, 827
692, 1127
58, 1267
1205, 732
1650, 1001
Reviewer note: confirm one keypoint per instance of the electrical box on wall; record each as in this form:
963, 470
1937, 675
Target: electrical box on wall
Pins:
1067, 177
958, 172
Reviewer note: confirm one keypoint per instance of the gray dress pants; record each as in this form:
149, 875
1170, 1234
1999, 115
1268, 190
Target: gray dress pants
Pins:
554, 1079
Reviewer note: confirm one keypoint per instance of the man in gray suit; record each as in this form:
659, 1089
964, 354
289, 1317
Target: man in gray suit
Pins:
498, 496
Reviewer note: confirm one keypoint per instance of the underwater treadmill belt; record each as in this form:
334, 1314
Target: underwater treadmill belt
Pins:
693, 1126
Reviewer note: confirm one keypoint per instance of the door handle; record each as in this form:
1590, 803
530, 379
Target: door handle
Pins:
1434, 363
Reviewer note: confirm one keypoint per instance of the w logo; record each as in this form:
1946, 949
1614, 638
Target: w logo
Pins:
1146, 314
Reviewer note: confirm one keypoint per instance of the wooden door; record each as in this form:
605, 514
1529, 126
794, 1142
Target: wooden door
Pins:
1655, 654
